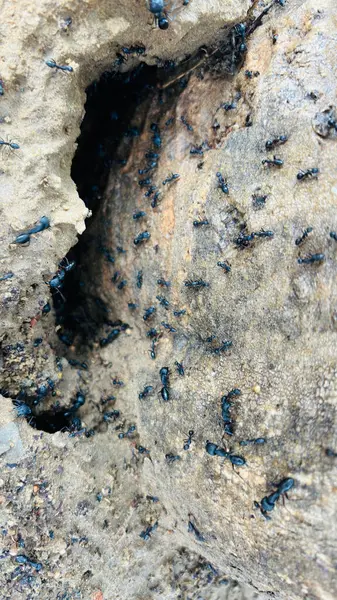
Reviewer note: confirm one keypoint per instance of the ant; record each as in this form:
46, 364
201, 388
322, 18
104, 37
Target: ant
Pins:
8, 275
197, 150
152, 333
53, 65
141, 237
308, 173
56, 282
146, 534
170, 178
259, 201
188, 441
149, 312
310, 259
179, 313
193, 529
139, 279
214, 450
157, 8
185, 122
222, 183
163, 302
200, 223
224, 266
138, 215
171, 458
275, 162
11, 145
198, 283
163, 283
147, 389
243, 241
267, 503
257, 441
180, 368
132, 305
169, 327
270, 144
304, 235
154, 201
164, 376
153, 350
251, 74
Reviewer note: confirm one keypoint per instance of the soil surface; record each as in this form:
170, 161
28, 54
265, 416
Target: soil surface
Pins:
168, 343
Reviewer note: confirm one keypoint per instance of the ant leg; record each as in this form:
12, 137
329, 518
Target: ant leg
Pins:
61, 261
64, 429
238, 474
59, 291
263, 512
283, 500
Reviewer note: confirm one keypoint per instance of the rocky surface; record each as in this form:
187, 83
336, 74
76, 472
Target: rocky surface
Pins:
41, 110
76, 505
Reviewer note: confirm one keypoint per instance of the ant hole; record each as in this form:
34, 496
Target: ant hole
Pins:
117, 107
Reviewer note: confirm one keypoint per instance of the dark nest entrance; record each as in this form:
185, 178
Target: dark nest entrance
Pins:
116, 109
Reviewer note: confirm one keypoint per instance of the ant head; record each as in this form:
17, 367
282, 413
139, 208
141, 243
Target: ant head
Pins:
163, 23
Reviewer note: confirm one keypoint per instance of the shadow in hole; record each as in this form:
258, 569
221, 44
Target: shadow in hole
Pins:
104, 145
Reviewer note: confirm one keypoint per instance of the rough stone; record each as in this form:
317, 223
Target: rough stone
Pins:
94, 494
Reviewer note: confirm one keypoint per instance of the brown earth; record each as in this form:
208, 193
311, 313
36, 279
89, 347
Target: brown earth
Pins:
75, 505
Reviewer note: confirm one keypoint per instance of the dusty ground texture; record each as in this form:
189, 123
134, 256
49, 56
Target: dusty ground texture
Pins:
75, 505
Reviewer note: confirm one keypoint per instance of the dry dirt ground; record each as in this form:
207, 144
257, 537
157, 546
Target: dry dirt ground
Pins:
104, 493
